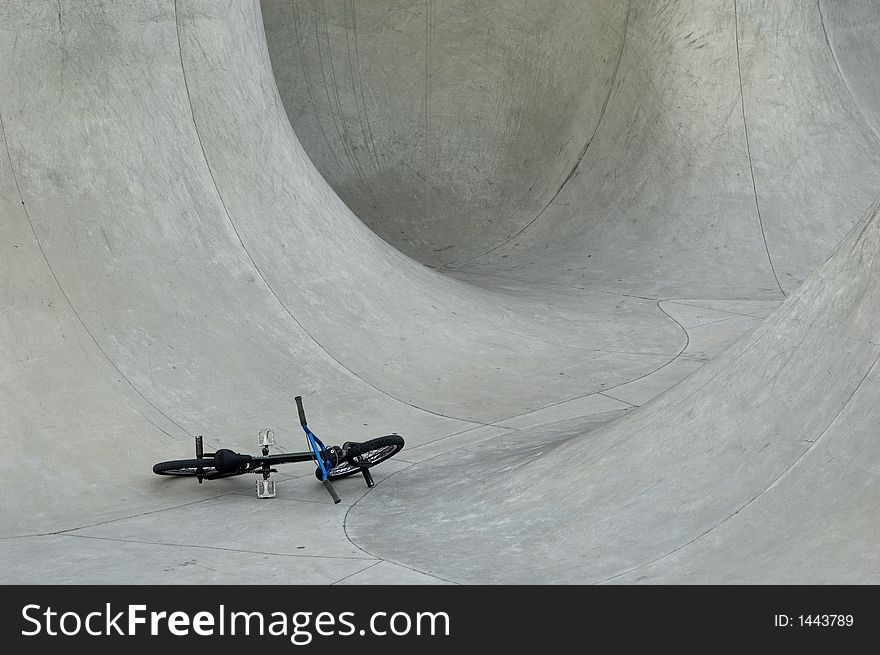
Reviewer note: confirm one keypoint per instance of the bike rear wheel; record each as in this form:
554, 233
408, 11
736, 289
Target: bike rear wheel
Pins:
365, 455
186, 467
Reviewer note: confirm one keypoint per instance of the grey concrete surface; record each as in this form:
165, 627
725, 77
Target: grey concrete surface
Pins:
731, 476
729, 138
546, 243
443, 125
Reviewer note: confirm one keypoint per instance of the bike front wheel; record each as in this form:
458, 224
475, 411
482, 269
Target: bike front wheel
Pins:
364, 455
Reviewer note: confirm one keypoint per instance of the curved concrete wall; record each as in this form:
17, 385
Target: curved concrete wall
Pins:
697, 161
758, 468
445, 126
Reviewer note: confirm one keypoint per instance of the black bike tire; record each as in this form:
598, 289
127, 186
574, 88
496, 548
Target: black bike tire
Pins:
383, 447
186, 467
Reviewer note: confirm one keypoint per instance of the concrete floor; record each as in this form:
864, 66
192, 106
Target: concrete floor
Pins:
611, 269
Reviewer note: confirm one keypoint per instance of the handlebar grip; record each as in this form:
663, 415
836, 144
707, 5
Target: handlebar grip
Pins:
302, 412
336, 499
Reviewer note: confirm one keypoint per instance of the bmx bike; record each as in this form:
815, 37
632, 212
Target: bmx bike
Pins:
333, 463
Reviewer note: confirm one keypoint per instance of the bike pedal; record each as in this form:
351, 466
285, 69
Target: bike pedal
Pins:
266, 437
265, 488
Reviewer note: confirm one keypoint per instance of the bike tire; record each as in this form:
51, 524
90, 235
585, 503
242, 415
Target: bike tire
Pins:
365, 455
186, 467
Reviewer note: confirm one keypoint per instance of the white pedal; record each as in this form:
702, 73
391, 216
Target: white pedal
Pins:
265, 488
266, 437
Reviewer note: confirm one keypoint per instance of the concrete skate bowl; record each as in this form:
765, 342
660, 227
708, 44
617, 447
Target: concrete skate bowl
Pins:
503, 231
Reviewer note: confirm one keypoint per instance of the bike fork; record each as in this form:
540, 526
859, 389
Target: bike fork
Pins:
318, 448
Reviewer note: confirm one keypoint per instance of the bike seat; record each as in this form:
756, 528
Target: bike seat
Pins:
228, 461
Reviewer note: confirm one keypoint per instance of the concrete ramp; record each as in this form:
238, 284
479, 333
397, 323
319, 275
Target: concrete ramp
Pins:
756, 469
720, 151
499, 230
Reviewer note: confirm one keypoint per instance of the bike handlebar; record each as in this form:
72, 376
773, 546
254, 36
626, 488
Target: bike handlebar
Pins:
302, 412
336, 498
